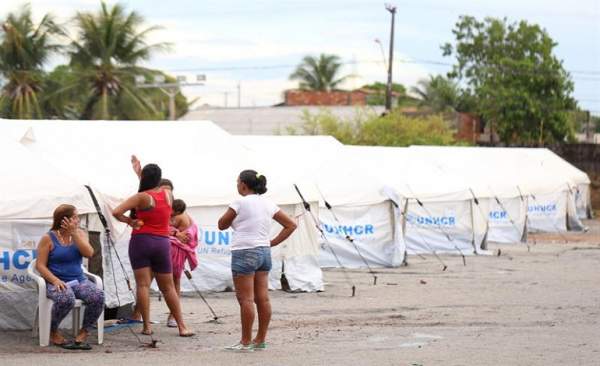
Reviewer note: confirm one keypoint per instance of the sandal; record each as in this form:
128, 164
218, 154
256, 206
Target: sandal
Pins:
83, 346
190, 334
129, 321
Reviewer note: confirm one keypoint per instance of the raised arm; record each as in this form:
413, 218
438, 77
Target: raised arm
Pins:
288, 227
136, 165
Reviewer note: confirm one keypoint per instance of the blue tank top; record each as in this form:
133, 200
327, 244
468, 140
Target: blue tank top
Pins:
64, 261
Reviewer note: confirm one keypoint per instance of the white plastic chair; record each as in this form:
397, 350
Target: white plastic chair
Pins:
43, 312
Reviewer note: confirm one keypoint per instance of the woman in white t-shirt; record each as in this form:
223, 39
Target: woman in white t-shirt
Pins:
251, 217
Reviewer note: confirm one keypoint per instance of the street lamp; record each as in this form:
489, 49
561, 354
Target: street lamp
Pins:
388, 92
170, 89
378, 41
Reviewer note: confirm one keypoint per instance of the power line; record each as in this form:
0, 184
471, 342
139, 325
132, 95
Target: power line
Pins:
593, 75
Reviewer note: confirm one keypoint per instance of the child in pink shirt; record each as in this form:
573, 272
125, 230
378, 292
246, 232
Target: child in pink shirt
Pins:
182, 250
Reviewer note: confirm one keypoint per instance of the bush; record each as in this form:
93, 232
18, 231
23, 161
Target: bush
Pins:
395, 129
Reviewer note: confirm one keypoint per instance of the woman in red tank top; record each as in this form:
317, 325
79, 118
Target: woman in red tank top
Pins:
149, 246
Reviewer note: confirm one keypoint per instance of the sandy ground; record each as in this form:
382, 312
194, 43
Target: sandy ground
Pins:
537, 307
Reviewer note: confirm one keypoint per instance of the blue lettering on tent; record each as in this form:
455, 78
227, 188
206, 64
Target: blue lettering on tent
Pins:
544, 208
18, 259
211, 237
17, 262
498, 215
5, 260
352, 230
431, 221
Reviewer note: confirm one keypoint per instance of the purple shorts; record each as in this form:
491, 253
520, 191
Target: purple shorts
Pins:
154, 251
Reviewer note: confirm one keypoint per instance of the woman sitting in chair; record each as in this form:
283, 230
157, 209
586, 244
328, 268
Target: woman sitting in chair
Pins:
60, 252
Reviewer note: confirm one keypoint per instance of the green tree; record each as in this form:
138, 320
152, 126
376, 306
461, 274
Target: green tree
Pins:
378, 90
322, 73
105, 56
70, 99
595, 120
437, 93
24, 49
516, 81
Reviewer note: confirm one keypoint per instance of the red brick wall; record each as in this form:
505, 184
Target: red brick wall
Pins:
467, 128
304, 97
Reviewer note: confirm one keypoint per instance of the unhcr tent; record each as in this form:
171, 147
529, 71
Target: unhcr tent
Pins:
203, 162
527, 189
438, 209
359, 209
578, 181
31, 190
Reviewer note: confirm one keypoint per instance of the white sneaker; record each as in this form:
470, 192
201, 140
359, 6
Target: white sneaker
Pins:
240, 348
171, 323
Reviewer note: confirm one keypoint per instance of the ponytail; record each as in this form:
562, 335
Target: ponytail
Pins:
254, 181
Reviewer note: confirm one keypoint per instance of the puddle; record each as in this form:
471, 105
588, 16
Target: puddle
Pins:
427, 336
413, 344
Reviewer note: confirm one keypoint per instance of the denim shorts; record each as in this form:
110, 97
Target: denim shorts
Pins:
249, 261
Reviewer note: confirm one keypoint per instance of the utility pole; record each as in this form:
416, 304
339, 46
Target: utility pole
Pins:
169, 89
239, 90
589, 132
388, 91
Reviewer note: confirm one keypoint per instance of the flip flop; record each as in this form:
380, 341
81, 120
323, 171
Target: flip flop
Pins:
129, 321
190, 334
83, 346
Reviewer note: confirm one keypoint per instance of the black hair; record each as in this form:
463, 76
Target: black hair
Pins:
150, 179
254, 181
166, 182
178, 206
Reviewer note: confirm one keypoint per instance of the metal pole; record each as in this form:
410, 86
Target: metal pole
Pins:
388, 92
239, 90
172, 112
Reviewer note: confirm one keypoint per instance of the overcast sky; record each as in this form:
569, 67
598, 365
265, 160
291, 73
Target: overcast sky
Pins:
258, 42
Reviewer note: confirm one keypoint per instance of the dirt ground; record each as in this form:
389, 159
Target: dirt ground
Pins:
524, 307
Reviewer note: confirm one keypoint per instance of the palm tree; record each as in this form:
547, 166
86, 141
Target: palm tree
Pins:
106, 54
24, 49
320, 73
438, 93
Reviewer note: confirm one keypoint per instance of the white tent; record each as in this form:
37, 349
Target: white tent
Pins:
31, 190
359, 209
526, 188
579, 181
437, 208
203, 162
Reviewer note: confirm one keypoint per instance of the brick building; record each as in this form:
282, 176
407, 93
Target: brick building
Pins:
298, 97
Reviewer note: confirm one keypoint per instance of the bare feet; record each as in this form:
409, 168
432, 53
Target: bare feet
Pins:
82, 336
147, 331
187, 333
56, 338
